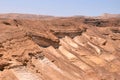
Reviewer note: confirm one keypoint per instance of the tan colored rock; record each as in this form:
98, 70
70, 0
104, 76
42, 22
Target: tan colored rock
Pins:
59, 48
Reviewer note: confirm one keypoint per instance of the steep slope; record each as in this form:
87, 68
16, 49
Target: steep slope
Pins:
59, 49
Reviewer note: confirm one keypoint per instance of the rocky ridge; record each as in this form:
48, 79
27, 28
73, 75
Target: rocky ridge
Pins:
60, 49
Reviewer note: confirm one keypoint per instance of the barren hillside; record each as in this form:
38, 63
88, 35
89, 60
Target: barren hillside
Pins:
59, 48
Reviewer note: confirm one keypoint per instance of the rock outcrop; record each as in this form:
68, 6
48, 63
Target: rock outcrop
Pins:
59, 49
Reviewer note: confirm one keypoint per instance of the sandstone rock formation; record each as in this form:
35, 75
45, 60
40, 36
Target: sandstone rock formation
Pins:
73, 48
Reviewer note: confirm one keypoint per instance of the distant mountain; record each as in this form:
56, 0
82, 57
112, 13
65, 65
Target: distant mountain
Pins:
42, 17
24, 16
107, 15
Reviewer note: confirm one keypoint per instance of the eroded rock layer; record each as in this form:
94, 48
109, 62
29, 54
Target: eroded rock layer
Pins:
59, 49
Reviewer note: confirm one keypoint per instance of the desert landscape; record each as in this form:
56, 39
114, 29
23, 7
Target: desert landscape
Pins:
40, 47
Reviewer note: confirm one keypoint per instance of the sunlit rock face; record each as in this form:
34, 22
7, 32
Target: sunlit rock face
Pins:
59, 48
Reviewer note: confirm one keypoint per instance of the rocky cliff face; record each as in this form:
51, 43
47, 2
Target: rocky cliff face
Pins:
59, 49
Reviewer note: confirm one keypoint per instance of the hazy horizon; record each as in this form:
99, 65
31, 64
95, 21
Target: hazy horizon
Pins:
61, 8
